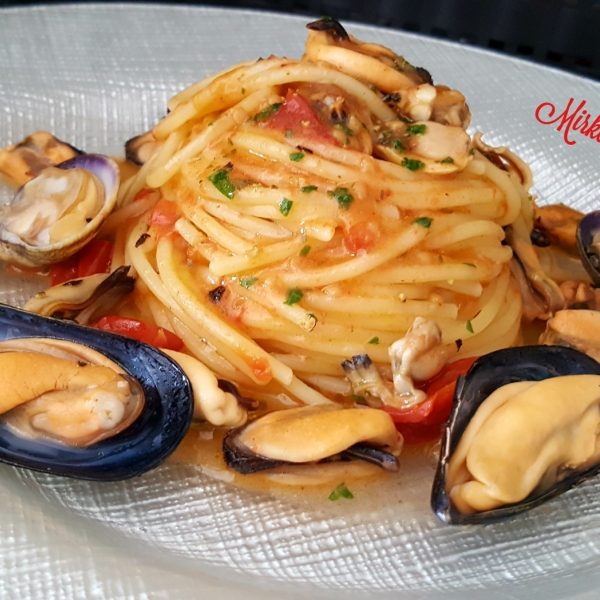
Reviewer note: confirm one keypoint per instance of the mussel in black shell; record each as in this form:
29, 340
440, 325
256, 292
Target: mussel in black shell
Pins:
588, 243
540, 448
96, 406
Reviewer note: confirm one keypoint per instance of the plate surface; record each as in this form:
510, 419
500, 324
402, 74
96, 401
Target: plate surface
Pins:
97, 74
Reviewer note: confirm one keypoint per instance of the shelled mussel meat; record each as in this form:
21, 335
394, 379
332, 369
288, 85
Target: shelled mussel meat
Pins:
523, 429
86, 404
310, 434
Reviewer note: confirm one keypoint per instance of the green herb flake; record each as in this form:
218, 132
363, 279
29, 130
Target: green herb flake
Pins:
345, 129
294, 296
288, 133
343, 196
248, 282
359, 399
285, 206
424, 222
341, 491
374, 340
296, 156
472, 152
265, 113
398, 146
305, 250
447, 161
470, 327
416, 129
307, 189
220, 179
412, 164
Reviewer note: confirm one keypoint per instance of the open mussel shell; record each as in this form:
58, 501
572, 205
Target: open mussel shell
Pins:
162, 424
488, 373
588, 243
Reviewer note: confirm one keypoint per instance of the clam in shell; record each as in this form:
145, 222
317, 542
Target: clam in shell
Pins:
55, 214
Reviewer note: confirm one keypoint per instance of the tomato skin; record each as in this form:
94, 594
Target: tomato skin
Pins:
164, 216
95, 257
426, 420
137, 330
64, 271
361, 236
297, 119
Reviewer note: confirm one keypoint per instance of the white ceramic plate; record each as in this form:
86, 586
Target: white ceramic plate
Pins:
95, 75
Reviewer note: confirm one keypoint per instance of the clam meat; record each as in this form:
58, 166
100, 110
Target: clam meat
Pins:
55, 214
524, 428
310, 434
28, 158
98, 406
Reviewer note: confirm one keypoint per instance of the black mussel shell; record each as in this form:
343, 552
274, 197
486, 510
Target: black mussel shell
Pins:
587, 228
165, 418
488, 373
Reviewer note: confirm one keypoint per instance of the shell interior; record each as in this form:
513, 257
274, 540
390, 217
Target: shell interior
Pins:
487, 374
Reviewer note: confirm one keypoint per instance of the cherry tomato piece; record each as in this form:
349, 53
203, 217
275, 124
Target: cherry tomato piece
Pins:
299, 121
95, 257
143, 332
164, 216
425, 420
361, 236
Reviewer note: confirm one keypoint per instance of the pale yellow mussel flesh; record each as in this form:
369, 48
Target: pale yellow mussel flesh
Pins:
64, 392
524, 438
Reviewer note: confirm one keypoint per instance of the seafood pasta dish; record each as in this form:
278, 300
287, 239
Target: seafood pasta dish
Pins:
306, 266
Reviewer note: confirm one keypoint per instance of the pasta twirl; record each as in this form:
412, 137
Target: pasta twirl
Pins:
313, 201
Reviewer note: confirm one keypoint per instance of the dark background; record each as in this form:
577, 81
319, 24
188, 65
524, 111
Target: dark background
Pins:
560, 33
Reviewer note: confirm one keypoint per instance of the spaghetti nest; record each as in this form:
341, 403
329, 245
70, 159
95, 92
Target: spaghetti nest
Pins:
308, 210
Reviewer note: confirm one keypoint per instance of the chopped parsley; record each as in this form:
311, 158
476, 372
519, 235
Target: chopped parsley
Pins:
296, 156
470, 327
447, 161
343, 196
423, 222
285, 206
305, 250
343, 127
416, 129
374, 340
265, 113
398, 146
220, 179
341, 491
307, 189
412, 164
248, 282
294, 296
